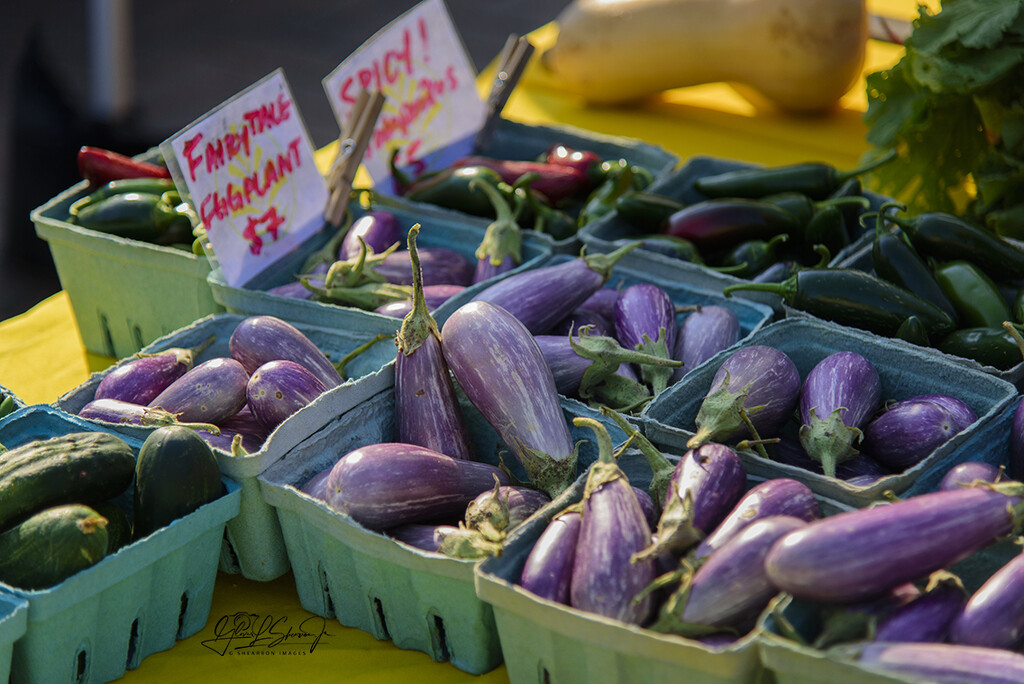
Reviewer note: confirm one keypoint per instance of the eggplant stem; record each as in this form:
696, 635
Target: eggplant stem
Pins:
757, 441
340, 365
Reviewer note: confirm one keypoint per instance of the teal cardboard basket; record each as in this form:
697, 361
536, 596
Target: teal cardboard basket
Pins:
905, 371
253, 545
13, 623
124, 293
419, 600
103, 621
437, 229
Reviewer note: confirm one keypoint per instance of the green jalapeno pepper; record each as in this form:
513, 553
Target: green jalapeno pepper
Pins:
977, 300
646, 211
803, 208
815, 179
945, 236
753, 256
999, 347
150, 186
912, 330
826, 227
138, 216
601, 201
538, 215
895, 259
854, 298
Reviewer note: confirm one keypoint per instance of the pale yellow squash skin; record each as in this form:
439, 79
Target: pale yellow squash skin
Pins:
801, 55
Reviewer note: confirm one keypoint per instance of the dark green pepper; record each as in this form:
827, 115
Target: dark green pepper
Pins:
1007, 223
826, 227
851, 212
753, 256
537, 214
451, 189
139, 216
646, 211
814, 179
977, 300
945, 236
856, 299
895, 259
999, 347
601, 201
912, 330
803, 208
149, 186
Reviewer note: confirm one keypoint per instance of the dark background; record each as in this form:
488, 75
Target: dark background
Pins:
187, 57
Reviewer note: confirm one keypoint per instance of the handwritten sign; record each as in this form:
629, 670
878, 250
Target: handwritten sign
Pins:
433, 109
248, 169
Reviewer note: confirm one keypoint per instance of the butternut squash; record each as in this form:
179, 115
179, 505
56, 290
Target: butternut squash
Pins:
801, 55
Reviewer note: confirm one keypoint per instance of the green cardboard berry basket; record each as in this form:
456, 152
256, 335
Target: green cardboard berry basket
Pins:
419, 600
905, 370
103, 621
124, 293
520, 141
253, 545
13, 623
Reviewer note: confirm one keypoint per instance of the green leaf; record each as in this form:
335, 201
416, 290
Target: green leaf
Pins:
963, 70
977, 24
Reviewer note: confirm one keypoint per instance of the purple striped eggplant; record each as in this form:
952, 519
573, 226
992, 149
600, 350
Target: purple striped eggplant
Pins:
294, 290
117, 411
926, 618
420, 535
210, 392
548, 568
861, 470
846, 622
434, 295
942, 663
578, 318
966, 474
501, 249
645, 320
541, 297
427, 411
139, 380
778, 496
606, 580
963, 415
861, 554
248, 441
702, 334
503, 373
730, 589
439, 266
758, 382
602, 302
1016, 440
389, 484
994, 614
646, 502
316, 486
379, 229
259, 339
907, 432
705, 485
504, 507
277, 389
840, 394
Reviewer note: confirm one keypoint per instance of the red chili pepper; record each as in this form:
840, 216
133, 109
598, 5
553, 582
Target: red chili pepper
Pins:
554, 181
584, 161
99, 167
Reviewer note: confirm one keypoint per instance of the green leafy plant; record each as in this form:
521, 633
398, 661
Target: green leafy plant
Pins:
953, 108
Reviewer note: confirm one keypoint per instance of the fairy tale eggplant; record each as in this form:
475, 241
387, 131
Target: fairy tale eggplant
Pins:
541, 297
503, 373
1016, 440
501, 249
142, 378
209, 393
705, 485
907, 432
504, 507
969, 472
861, 554
277, 389
548, 568
926, 618
645, 320
427, 410
703, 333
839, 395
421, 535
433, 295
941, 663
606, 580
777, 496
438, 266
389, 484
720, 223
994, 614
259, 339
378, 229
756, 386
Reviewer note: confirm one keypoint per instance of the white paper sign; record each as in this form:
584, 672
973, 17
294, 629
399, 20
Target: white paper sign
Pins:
432, 111
248, 168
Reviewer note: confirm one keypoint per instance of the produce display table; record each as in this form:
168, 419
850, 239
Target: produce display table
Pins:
41, 357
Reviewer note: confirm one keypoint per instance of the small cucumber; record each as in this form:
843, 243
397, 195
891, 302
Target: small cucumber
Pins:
119, 528
176, 473
80, 467
51, 546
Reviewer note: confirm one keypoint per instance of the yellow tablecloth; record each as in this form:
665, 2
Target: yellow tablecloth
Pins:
41, 355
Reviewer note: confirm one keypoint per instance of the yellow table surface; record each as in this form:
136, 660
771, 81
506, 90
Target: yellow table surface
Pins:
41, 355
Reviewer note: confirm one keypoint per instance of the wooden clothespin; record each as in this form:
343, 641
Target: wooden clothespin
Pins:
511, 63
352, 146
